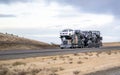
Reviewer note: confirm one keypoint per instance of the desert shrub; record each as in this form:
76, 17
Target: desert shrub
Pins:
115, 52
79, 62
63, 59
53, 73
86, 53
48, 62
12, 35
54, 69
44, 58
76, 54
35, 71
79, 57
98, 53
67, 56
108, 52
49, 71
61, 69
61, 56
76, 72
18, 63
70, 62
3, 70
22, 72
85, 57
6, 33
70, 59
90, 54
54, 58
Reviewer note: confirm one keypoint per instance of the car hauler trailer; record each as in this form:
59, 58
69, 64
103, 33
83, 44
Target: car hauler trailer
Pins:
80, 39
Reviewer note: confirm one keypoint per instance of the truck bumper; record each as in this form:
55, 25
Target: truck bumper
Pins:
65, 46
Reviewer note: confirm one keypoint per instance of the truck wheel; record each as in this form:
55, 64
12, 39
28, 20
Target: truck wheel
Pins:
71, 47
62, 48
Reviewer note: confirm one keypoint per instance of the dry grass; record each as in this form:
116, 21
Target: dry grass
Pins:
76, 54
76, 72
111, 44
79, 62
10, 42
17, 70
73, 64
98, 54
18, 63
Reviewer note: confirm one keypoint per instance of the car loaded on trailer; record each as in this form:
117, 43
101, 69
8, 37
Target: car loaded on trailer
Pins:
80, 39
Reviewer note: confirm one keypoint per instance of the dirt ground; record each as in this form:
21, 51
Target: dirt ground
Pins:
111, 71
111, 44
70, 64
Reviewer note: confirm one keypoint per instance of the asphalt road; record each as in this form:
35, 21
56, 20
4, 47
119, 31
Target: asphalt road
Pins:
16, 54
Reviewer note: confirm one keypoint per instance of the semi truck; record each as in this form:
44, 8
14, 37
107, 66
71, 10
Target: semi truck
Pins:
80, 39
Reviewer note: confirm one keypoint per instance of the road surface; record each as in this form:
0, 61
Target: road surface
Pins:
15, 54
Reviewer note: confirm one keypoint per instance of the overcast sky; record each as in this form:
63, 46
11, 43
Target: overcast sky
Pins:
43, 19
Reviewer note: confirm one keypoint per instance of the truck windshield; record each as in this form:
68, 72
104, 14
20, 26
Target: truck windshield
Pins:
65, 31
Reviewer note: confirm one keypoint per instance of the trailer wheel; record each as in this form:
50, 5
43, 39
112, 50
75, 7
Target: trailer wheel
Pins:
62, 48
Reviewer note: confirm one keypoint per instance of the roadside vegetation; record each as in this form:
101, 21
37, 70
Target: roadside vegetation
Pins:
14, 42
70, 64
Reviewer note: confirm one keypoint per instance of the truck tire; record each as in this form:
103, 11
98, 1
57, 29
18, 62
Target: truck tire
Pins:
61, 47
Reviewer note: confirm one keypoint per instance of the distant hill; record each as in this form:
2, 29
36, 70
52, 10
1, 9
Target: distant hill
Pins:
14, 42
